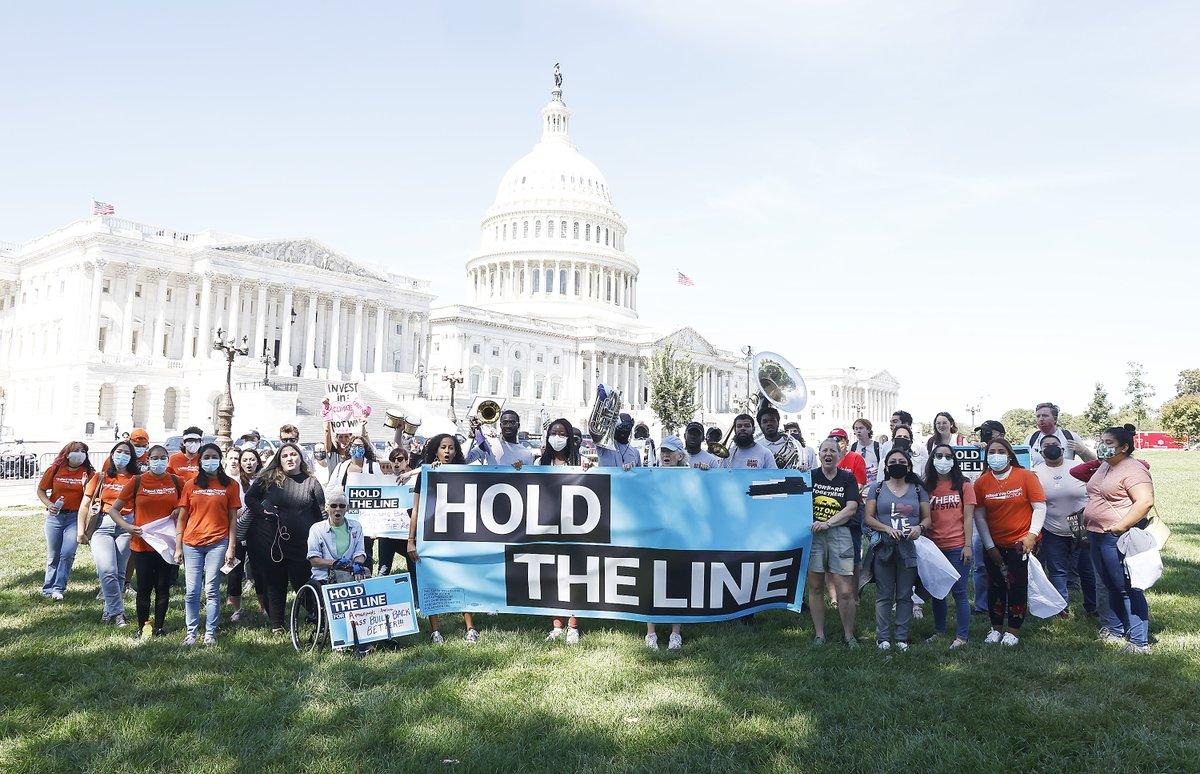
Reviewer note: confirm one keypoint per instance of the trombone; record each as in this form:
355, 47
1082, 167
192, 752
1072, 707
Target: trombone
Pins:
778, 384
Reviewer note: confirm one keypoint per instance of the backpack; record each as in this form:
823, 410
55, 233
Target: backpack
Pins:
1037, 436
855, 446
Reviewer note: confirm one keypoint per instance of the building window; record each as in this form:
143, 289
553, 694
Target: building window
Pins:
525, 231
537, 281
133, 343
169, 293
549, 280
540, 357
474, 349
563, 228
473, 383
576, 229
554, 390
605, 236
106, 286
437, 346
62, 286
494, 384
516, 354
103, 338
587, 232
537, 390
562, 282
506, 231
137, 290
516, 384
556, 359
537, 229
495, 352
397, 327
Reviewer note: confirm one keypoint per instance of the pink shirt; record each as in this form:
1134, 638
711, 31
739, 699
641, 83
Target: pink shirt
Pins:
1108, 493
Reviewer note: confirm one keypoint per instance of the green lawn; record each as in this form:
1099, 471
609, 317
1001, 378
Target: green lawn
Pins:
77, 695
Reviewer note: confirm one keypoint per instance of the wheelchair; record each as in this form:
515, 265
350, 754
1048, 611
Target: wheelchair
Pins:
309, 623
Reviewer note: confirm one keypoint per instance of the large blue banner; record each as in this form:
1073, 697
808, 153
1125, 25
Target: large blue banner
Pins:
648, 544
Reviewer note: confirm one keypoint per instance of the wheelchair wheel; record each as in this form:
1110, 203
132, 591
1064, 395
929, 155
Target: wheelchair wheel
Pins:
308, 620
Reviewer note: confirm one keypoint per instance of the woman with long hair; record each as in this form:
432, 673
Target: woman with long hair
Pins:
561, 447
440, 450
945, 430
1120, 496
60, 489
284, 502
390, 547
110, 545
898, 511
152, 496
246, 465
952, 518
1009, 512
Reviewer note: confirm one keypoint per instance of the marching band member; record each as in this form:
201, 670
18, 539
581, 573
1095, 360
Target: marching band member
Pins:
746, 452
693, 435
641, 434
621, 454
782, 446
808, 455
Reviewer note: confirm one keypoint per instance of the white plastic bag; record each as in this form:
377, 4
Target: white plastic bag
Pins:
1044, 599
160, 535
1143, 559
937, 575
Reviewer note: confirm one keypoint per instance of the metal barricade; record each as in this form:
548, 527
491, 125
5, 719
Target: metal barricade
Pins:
20, 465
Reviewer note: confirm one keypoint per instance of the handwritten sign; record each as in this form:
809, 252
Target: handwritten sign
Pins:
345, 411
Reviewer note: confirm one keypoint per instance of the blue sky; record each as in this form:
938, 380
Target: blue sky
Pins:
985, 199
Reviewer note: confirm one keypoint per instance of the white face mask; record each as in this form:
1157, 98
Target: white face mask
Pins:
943, 465
558, 442
191, 446
76, 458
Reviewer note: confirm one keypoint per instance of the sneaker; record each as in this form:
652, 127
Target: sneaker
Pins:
819, 640
652, 641
852, 643
555, 634
472, 636
160, 632
210, 639
277, 632
1136, 649
119, 621
675, 642
105, 618
235, 616
1109, 637
1009, 639
958, 643
885, 645
992, 637
57, 596
189, 641
918, 612
436, 638
572, 636
902, 647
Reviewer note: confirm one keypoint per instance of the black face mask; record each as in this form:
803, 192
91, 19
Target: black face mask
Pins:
1052, 452
621, 435
897, 470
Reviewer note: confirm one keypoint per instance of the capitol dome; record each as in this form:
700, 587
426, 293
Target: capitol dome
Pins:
553, 243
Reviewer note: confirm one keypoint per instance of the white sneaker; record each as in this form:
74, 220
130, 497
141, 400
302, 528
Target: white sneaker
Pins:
652, 641
1009, 639
1137, 650
918, 612
902, 647
675, 642
992, 637
384, 570
189, 641
210, 639
555, 634
472, 636
436, 638
1109, 638
119, 621
885, 645
572, 636
57, 596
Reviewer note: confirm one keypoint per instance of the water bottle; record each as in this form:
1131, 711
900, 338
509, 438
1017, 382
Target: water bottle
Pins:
57, 508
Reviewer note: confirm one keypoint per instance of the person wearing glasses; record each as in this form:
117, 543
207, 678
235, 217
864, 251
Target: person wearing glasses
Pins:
1046, 416
336, 543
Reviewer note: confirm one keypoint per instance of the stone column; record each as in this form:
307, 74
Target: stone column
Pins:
405, 323
189, 319
92, 344
381, 331
204, 336
260, 321
235, 304
160, 322
285, 332
356, 358
310, 338
423, 346
335, 338
127, 312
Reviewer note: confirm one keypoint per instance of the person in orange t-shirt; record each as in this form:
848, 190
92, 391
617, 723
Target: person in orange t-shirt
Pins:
186, 464
207, 533
61, 490
110, 545
153, 495
141, 447
1009, 512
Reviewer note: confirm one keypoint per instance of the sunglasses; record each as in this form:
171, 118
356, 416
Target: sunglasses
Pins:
943, 456
336, 507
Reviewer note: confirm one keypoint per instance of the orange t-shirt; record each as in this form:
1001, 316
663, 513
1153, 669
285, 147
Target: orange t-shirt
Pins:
155, 498
113, 486
183, 466
65, 483
1009, 503
207, 519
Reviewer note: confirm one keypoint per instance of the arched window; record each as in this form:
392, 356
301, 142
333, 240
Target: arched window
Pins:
525, 229
577, 279
494, 383
537, 230
606, 236
497, 237
563, 234
549, 280
587, 232
608, 288
562, 282
514, 229
506, 231
576, 229
538, 387
516, 384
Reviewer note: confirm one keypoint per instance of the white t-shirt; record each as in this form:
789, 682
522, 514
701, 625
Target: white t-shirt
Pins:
511, 453
1065, 494
757, 456
868, 455
703, 457
1068, 453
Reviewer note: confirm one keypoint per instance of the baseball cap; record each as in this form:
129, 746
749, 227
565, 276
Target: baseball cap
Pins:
139, 436
992, 425
694, 426
672, 443
838, 432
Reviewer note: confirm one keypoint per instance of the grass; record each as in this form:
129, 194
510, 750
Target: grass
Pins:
75, 695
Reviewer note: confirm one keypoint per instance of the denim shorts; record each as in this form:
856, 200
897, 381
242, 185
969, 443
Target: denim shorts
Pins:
832, 551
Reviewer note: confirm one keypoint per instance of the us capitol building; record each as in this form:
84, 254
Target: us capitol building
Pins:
107, 324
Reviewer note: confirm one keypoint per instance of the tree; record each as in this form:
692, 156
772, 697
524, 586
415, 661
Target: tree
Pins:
1181, 416
1098, 414
1018, 425
672, 387
1189, 383
1140, 393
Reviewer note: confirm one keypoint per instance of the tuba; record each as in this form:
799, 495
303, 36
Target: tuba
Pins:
606, 412
779, 384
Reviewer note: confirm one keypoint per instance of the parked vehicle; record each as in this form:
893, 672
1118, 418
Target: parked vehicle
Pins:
1158, 441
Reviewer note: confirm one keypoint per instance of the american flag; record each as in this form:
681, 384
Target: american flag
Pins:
684, 279
102, 208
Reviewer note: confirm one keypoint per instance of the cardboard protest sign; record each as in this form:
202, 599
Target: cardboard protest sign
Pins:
346, 412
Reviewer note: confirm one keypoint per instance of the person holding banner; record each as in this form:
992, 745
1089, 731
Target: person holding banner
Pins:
110, 545
284, 502
898, 512
671, 454
698, 457
1009, 512
832, 558
440, 450
151, 496
512, 451
206, 522
745, 451
621, 454
952, 521
561, 447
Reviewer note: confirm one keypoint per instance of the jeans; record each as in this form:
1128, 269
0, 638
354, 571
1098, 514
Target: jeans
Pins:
110, 552
1059, 555
61, 541
1128, 614
979, 576
198, 562
893, 587
962, 611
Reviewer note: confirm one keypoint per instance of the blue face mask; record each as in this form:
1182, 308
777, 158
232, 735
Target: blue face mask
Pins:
120, 459
210, 466
358, 452
997, 462
158, 467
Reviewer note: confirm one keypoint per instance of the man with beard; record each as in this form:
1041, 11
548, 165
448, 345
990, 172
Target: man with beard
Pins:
512, 451
693, 435
621, 455
784, 448
745, 451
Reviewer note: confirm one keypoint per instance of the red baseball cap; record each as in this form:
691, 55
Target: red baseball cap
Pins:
838, 432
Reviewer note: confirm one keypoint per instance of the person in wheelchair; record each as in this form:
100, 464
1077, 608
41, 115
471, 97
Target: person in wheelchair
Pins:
335, 545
